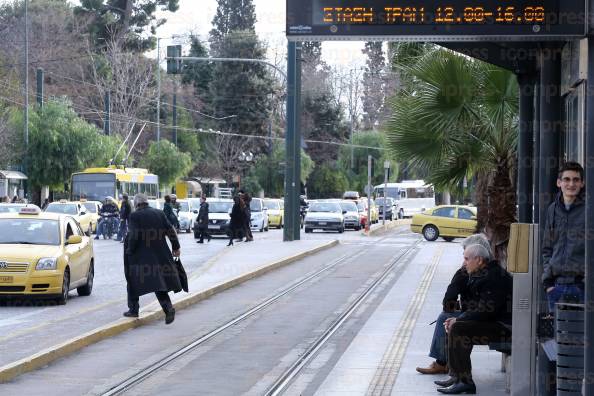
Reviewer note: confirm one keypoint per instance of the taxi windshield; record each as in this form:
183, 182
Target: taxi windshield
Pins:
91, 207
274, 205
62, 208
29, 231
11, 208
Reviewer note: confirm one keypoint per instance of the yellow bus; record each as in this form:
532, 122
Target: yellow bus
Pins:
95, 184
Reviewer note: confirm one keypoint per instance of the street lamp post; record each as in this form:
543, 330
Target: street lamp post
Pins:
386, 174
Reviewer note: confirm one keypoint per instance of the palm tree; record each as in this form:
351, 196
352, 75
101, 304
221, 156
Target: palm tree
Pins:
458, 120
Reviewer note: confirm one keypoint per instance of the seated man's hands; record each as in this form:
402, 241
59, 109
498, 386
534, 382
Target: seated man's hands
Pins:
448, 324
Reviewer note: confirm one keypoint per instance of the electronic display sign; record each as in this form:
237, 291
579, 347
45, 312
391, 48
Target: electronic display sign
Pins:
435, 20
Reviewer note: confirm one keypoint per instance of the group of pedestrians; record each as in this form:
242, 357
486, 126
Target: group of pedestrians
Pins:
241, 215
477, 305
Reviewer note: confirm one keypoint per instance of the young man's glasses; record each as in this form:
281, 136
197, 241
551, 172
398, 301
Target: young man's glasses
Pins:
571, 179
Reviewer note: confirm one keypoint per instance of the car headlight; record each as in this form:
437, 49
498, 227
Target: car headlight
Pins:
47, 263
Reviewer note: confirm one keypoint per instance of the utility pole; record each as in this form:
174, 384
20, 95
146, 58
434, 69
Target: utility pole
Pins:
107, 121
369, 174
40, 87
158, 89
386, 176
27, 73
174, 117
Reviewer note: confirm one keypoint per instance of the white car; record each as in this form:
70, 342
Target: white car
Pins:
219, 216
350, 212
259, 219
185, 216
327, 216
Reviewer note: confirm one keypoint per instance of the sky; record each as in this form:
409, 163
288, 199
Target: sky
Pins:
196, 16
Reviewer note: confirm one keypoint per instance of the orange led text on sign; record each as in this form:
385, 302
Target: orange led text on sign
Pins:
348, 15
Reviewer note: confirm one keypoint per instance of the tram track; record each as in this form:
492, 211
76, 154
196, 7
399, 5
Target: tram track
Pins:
280, 384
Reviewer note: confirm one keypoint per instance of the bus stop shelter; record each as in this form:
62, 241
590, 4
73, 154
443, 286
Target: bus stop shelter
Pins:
12, 183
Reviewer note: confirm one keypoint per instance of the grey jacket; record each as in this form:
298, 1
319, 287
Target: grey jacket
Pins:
563, 244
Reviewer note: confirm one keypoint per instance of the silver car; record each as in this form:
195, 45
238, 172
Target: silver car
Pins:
185, 216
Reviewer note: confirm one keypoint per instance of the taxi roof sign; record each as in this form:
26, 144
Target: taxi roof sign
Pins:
30, 210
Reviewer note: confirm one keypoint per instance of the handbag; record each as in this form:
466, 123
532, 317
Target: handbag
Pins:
183, 277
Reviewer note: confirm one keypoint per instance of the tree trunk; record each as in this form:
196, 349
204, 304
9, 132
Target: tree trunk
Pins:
502, 210
482, 200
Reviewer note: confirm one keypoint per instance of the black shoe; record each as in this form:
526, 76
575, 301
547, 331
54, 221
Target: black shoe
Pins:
459, 388
209, 238
170, 316
199, 241
230, 243
445, 383
131, 314
96, 238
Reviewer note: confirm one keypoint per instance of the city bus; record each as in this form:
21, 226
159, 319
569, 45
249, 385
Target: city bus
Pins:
412, 196
95, 184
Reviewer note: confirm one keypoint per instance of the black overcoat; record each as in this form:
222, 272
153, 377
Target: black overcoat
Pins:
203, 217
148, 262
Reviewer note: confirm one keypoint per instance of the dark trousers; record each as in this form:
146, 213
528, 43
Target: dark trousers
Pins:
463, 336
202, 233
162, 296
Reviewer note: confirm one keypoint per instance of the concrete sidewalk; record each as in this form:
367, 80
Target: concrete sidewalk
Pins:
228, 268
396, 339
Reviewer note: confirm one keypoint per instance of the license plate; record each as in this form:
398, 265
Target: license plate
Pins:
5, 279
322, 223
214, 227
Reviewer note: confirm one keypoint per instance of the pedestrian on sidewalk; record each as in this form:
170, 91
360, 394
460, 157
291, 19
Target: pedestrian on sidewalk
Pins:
125, 212
149, 266
237, 218
453, 304
202, 221
563, 244
487, 318
247, 229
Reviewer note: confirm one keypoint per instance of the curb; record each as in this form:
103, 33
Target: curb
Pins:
48, 355
379, 229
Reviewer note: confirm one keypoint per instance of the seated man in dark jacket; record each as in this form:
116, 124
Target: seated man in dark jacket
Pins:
487, 317
451, 308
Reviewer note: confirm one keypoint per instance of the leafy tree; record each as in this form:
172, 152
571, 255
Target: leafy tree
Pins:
242, 89
251, 185
326, 182
166, 161
269, 170
357, 176
233, 16
125, 19
373, 84
61, 143
461, 122
198, 74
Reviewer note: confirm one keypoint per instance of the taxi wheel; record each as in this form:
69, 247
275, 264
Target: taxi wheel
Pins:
88, 288
430, 232
63, 299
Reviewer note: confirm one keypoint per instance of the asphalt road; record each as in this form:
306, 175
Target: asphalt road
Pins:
248, 357
26, 327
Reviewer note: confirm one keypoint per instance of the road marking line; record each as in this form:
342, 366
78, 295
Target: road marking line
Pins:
387, 372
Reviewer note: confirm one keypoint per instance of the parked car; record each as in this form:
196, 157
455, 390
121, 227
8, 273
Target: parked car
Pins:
185, 216
350, 212
446, 221
391, 208
325, 216
259, 220
275, 209
93, 208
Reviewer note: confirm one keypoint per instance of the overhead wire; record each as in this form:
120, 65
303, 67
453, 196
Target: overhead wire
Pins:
126, 118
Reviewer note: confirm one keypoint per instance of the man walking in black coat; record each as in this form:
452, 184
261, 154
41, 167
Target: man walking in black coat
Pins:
202, 221
148, 263
487, 318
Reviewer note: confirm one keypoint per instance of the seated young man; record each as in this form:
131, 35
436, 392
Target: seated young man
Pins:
451, 309
487, 318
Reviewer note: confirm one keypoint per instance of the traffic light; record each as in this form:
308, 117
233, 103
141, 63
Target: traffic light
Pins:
174, 65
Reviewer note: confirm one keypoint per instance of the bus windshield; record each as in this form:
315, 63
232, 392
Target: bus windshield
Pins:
391, 192
93, 186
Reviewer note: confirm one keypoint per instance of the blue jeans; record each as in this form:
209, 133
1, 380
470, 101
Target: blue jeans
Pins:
103, 224
439, 349
123, 230
567, 293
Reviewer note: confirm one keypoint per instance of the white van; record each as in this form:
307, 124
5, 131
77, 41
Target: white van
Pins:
412, 196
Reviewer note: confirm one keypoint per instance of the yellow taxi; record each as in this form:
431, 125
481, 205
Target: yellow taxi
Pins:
93, 208
77, 210
275, 209
44, 254
446, 221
